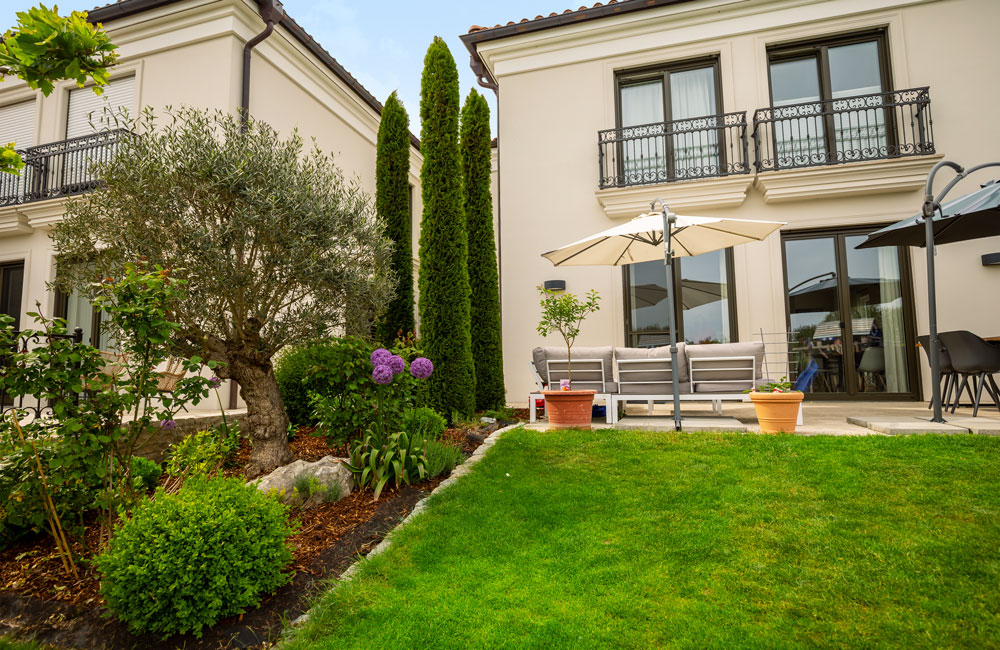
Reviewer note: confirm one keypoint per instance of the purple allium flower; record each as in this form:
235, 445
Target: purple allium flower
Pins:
421, 367
396, 363
380, 356
382, 374
168, 425
214, 382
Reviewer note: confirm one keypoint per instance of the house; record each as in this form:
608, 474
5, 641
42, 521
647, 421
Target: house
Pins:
172, 53
827, 115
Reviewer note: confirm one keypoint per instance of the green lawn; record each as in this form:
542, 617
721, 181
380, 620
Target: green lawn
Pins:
617, 539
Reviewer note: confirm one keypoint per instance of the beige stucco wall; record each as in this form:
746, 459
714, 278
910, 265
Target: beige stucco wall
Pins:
557, 91
190, 53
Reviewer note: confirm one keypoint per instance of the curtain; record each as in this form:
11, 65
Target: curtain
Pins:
891, 312
695, 149
643, 145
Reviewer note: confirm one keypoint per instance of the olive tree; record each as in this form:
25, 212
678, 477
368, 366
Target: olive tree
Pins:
275, 245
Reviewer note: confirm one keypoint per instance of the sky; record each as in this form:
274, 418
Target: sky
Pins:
382, 42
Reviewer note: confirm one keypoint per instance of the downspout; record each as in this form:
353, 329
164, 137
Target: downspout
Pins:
271, 12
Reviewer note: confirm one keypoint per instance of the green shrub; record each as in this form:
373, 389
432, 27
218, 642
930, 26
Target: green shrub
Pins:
337, 369
445, 321
400, 459
308, 489
392, 203
504, 413
198, 454
21, 509
145, 474
441, 457
424, 423
483, 278
187, 560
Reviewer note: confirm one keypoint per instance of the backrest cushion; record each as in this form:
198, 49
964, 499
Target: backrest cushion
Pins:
747, 349
540, 355
661, 352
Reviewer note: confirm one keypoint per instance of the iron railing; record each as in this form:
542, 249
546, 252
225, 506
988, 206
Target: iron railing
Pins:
29, 404
60, 168
701, 147
849, 129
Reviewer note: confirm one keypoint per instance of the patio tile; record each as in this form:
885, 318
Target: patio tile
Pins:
895, 425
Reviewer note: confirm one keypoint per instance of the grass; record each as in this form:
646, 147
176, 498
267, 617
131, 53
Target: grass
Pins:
6, 643
617, 539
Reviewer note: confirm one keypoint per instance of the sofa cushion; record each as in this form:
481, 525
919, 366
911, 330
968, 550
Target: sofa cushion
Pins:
661, 352
540, 355
724, 387
662, 388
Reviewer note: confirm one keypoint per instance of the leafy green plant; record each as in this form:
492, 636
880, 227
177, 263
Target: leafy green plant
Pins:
780, 386
186, 560
198, 454
308, 489
392, 203
45, 47
424, 423
500, 414
441, 457
335, 369
399, 459
563, 313
445, 294
145, 474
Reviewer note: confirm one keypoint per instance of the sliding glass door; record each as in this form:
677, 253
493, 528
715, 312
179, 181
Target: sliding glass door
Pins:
850, 314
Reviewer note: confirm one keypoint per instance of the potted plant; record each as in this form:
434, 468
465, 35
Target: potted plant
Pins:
563, 313
777, 405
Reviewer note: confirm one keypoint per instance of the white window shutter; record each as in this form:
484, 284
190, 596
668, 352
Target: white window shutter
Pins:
86, 108
17, 124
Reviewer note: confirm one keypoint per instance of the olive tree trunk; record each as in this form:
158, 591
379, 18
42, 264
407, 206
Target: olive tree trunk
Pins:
267, 422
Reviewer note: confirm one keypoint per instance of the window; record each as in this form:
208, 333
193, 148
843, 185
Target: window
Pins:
827, 100
89, 113
703, 286
11, 287
669, 121
77, 310
17, 125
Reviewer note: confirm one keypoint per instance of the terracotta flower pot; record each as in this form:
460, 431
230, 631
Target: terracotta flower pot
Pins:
776, 412
569, 409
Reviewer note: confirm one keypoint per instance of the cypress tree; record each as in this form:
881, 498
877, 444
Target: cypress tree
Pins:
392, 202
486, 343
444, 276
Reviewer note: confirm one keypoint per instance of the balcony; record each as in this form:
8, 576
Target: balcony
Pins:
62, 168
686, 149
879, 126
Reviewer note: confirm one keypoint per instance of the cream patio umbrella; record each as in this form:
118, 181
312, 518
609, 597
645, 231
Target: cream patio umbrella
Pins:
642, 240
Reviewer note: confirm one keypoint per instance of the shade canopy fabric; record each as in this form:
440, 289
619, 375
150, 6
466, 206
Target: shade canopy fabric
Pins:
971, 216
641, 240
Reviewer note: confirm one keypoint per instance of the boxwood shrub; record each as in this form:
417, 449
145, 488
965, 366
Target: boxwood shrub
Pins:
187, 560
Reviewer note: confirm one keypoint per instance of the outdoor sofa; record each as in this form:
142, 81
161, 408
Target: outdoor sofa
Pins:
714, 372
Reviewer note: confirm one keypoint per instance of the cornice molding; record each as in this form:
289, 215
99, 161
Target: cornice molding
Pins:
848, 179
628, 202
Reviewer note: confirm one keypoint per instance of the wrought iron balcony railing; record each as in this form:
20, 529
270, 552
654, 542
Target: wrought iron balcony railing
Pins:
60, 168
848, 129
701, 147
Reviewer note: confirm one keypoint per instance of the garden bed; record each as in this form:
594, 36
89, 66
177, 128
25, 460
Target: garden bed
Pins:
37, 600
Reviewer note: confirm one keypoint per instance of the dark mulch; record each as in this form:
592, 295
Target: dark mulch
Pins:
38, 600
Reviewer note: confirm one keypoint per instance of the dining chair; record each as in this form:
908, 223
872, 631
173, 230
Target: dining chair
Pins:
949, 378
975, 359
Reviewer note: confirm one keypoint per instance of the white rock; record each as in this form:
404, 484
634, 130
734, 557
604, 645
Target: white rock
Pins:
329, 471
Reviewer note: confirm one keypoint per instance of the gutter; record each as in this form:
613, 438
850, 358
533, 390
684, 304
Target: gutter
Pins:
271, 12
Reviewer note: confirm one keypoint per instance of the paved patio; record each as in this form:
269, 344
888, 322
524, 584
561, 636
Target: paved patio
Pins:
844, 418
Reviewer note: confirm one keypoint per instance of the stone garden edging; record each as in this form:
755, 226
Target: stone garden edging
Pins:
420, 506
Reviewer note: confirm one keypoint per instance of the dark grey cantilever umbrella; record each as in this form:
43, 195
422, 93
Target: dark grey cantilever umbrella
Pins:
972, 216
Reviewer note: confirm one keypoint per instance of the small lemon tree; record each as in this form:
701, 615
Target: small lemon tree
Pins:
563, 313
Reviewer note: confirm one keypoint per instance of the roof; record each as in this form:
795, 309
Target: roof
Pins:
478, 34
123, 8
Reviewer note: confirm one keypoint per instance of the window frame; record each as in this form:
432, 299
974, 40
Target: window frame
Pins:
662, 71
818, 48
5, 266
630, 332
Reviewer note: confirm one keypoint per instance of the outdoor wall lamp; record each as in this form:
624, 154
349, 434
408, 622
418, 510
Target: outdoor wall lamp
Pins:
554, 285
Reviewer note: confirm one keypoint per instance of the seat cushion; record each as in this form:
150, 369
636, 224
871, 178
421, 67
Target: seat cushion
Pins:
653, 388
542, 354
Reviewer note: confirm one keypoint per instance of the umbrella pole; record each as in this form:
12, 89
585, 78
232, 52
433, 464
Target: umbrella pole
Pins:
668, 259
